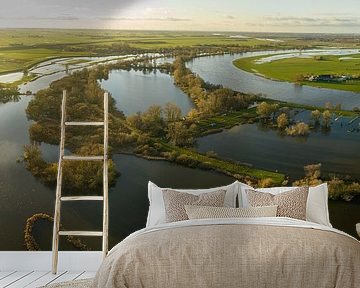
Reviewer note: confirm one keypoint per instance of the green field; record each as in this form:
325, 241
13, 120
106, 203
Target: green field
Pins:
22, 48
290, 69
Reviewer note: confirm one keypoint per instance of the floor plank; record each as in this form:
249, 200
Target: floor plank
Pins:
87, 275
41, 260
68, 276
13, 277
5, 274
27, 280
34, 279
47, 278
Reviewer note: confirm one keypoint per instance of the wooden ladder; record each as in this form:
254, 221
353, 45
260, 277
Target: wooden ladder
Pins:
59, 198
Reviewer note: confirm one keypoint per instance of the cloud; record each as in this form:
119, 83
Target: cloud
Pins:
51, 8
230, 17
165, 19
330, 21
73, 4
56, 18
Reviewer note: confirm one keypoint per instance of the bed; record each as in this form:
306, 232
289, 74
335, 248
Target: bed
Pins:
235, 251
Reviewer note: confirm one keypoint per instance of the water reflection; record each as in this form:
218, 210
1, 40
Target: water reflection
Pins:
220, 70
135, 91
336, 147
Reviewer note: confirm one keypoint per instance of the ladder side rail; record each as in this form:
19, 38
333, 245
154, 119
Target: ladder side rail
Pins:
105, 177
55, 243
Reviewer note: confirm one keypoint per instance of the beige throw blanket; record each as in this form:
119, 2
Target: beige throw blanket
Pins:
273, 252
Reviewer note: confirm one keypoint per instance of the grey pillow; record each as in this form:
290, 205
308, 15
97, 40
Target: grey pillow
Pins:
175, 201
201, 212
290, 203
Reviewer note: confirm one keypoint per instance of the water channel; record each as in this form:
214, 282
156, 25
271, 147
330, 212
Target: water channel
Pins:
21, 195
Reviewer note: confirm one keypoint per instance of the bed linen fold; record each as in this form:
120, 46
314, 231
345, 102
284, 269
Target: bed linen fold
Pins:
234, 252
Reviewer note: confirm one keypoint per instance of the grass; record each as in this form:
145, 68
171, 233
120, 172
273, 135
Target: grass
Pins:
20, 49
290, 69
227, 167
12, 60
347, 113
219, 122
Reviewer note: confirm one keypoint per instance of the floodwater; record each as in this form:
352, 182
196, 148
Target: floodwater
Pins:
21, 195
262, 147
135, 91
220, 70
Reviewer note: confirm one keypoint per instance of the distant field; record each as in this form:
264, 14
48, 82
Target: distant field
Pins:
290, 69
22, 48
20, 59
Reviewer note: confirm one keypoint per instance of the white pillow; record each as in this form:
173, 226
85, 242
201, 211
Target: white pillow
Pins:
156, 213
317, 204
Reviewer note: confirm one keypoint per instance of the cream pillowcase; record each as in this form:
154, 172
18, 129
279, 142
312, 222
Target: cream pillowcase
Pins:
203, 212
290, 204
317, 210
156, 214
175, 202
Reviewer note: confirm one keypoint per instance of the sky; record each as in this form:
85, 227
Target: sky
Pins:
309, 16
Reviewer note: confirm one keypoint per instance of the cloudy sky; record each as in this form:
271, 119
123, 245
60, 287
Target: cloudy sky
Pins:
207, 15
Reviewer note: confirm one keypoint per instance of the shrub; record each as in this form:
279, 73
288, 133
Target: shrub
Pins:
299, 129
186, 160
211, 154
266, 182
282, 121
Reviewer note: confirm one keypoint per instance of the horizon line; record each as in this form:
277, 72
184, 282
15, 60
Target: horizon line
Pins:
195, 31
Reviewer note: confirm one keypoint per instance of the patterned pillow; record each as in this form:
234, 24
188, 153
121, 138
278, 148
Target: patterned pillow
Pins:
175, 201
202, 212
290, 203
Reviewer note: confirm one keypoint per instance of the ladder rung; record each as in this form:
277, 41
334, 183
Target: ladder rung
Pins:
81, 233
83, 158
82, 198
84, 123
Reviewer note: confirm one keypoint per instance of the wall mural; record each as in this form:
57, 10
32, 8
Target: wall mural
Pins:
187, 110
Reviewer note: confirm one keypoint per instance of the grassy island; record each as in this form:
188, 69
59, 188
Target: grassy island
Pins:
161, 133
333, 72
158, 133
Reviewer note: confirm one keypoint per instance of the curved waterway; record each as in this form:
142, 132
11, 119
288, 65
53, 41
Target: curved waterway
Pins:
21, 195
135, 91
51, 70
220, 70
264, 148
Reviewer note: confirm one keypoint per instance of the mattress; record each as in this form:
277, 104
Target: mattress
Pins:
235, 252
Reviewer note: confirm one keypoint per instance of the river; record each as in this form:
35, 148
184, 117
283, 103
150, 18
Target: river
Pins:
220, 70
266, 148
21, 195
135, 91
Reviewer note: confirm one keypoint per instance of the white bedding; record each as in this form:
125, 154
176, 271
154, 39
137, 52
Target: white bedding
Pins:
233, 252
268, 221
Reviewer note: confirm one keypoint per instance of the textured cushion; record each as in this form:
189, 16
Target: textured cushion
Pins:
202, 212
290, 203
156, 213
317, 210
175, 202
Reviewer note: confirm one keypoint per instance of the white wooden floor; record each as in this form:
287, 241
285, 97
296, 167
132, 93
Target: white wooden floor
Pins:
32, 269
32, 279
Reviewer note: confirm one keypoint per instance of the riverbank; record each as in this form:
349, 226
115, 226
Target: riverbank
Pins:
21, 49
296, 69
128, 197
